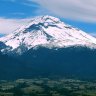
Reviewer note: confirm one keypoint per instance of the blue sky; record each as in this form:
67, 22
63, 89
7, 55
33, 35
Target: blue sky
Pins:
13, 13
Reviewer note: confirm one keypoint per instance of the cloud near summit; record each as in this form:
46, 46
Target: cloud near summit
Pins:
81, 10
9, 25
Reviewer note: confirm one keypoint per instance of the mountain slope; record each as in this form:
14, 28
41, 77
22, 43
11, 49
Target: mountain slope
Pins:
65, 62
47, 31
10, 68
76, 62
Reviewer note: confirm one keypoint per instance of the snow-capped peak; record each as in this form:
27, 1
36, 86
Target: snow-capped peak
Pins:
40, 20
49, 32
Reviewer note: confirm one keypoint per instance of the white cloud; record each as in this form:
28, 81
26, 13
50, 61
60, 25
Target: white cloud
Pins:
9, 25
82, 10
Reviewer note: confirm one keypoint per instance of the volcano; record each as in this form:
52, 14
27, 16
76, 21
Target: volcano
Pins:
46, 46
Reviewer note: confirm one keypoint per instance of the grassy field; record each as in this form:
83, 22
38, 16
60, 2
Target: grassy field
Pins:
47, 87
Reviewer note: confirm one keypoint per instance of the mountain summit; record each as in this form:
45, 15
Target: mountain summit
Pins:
49, 32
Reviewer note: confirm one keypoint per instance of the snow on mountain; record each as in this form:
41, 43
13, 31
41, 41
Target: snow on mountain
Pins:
49, 32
